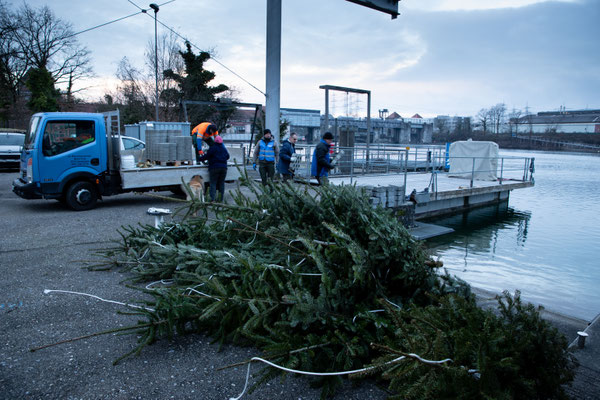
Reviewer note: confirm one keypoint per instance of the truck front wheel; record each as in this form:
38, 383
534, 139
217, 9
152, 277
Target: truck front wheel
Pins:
81, 196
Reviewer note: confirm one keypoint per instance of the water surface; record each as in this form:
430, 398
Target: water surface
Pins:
545, 242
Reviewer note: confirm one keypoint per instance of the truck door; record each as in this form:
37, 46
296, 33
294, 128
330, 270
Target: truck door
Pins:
69, 146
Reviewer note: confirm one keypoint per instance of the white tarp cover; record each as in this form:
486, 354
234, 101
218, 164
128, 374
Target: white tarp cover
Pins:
485, 154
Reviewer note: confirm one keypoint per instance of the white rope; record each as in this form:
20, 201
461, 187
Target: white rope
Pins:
301, 261
200, 293
47, 291
295, 371
255, 231
371, 311
290, 271
324, 243
394, 304
165, 282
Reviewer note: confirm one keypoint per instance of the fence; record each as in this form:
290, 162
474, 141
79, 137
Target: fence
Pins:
392, 164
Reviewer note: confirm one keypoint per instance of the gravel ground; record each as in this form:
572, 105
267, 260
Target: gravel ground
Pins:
44, 246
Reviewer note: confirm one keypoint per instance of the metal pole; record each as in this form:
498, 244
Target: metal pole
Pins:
155, 8
273, 78
326, 122
368, 124
405, 173
352, 166
472, 172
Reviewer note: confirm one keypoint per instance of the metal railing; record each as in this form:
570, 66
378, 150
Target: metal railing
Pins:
500, 169
356, 161
403, 160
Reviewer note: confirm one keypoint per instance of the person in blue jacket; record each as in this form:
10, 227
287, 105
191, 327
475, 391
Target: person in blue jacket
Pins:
321, 160
286, 157
266, 153
217, 156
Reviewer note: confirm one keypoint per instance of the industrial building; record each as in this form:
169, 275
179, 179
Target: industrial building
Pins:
575, 121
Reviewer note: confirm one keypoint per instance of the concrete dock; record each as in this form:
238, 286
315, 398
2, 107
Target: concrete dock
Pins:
452, 195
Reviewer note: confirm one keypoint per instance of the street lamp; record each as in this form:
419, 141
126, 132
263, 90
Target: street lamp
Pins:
155, 8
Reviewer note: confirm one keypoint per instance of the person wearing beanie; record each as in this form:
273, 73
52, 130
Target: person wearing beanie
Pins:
266, 153
321, 160
217, 156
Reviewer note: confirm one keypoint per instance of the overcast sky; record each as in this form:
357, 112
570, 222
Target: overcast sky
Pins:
449, 57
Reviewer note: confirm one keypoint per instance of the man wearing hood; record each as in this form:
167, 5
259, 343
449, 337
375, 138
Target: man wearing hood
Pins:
217, 156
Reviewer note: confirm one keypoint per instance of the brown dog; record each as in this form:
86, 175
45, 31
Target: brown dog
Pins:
197, 186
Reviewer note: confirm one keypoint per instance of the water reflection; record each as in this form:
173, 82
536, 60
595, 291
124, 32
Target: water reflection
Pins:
479, 229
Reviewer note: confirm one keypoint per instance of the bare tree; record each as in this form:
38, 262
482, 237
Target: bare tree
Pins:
47, 42
132, 93
13, 63
483, 118
169, 58
514, 120
497, 114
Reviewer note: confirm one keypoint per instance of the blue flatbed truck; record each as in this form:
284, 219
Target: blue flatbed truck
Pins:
70, 157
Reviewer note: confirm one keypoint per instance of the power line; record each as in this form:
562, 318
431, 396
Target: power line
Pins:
213, 58
198, 48
145, 11
104, 24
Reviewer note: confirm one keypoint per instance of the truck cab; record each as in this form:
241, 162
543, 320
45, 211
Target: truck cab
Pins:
66, 157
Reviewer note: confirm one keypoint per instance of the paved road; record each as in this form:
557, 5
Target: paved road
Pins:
42, 247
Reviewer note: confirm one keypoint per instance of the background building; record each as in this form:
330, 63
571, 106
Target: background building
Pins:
576, 121
445, 125
306, 123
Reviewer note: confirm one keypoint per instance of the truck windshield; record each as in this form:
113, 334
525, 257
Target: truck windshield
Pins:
31, 133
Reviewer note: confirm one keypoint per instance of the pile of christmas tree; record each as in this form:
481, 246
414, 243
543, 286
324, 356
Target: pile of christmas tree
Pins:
319, 280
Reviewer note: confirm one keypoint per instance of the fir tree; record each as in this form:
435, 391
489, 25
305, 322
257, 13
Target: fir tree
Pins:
321, 281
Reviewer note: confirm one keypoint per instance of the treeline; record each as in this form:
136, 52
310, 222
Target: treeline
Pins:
549, 141
43, 67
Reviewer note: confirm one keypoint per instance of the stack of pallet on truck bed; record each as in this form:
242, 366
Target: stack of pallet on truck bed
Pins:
168, 147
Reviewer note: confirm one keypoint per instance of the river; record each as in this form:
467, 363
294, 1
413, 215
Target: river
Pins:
545, 242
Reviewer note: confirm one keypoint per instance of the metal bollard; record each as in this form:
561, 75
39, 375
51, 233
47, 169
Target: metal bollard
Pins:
581, 336
159, 214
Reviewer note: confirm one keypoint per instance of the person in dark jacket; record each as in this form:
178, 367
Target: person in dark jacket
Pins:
321, 161
217, 156
287, 156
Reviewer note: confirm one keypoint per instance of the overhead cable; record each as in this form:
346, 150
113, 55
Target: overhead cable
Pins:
104, 24
196, 47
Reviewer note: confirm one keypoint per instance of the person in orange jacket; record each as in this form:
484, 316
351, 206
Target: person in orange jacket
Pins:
206, 131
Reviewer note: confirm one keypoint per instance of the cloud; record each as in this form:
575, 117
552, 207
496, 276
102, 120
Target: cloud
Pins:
437, 57
469, 5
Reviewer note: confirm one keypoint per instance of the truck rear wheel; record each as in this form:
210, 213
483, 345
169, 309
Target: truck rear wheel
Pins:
81, 196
